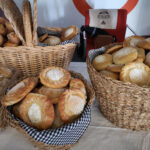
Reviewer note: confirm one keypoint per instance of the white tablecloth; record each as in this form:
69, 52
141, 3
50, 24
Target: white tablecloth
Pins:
100, 135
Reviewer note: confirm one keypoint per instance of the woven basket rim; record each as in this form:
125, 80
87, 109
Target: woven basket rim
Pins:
129, 84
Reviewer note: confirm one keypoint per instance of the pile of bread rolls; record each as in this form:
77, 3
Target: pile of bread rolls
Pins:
7, 35
128, 62
54, 36
48, 101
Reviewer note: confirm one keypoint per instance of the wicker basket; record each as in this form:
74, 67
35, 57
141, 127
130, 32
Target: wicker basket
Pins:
125, 104
31, 59
76, 128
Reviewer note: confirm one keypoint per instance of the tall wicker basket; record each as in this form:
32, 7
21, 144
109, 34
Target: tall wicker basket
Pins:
124, 104
30, 58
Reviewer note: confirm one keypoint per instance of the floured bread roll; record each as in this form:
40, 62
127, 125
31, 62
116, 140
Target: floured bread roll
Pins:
137, 73
52, 40
113, 49
5, 72
132, 41
71, 104
125, 55
141, 55
114, 68
147, 59
77, 84
69, 32
19, 91
55, 77
37, 111
110, 74
102, 61
144, 44
52, 94
57, 121
13, 38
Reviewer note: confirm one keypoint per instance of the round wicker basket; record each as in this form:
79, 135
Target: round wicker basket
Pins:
125, 104
9, 120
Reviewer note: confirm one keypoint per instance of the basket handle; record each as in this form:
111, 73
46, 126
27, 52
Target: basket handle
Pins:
35, 37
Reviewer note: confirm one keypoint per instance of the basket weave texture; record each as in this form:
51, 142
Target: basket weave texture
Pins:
10, 121
125, 104
31, 59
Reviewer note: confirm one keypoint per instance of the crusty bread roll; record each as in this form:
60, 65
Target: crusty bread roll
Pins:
110, 74
52, 40
3, 30
37, 111
137, 73
9, 27
71, 104
125, 55
52, 94
55, 77
113, 49
3, 20
147, 59
69, 32
19, 91
101, 62
77, 84
132, 41
13, 38
9, 44
43, 37
144, 44
114, 68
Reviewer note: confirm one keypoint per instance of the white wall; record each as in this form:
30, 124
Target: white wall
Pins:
61, 13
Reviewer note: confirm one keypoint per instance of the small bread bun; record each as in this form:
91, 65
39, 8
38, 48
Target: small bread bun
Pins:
13, 38
43, 37
1, 40
69, 32
3, 30
114, 68
55, 77
147, 59
125, 55
19, 91
137, 73
77, 84
101, 62
37, 111
9, 44
52, 94
55, 29
132, 41
144, 44
110, 74
52, 40
57, 121
9, 27
113, 49
71, 104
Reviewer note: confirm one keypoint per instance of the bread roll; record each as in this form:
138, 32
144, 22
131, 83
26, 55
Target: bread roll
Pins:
125, 55
132, 41
52, 40
13, 38
71, 104
137, 73
55, 77
1, 40
9, 27
114, 68
3, 30
147, 59
113, 49
101, 62
9, 44
144, 44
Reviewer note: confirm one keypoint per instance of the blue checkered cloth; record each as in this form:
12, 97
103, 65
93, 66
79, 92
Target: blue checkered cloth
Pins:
68, 134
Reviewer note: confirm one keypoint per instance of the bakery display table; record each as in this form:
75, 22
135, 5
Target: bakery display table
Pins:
100, 135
